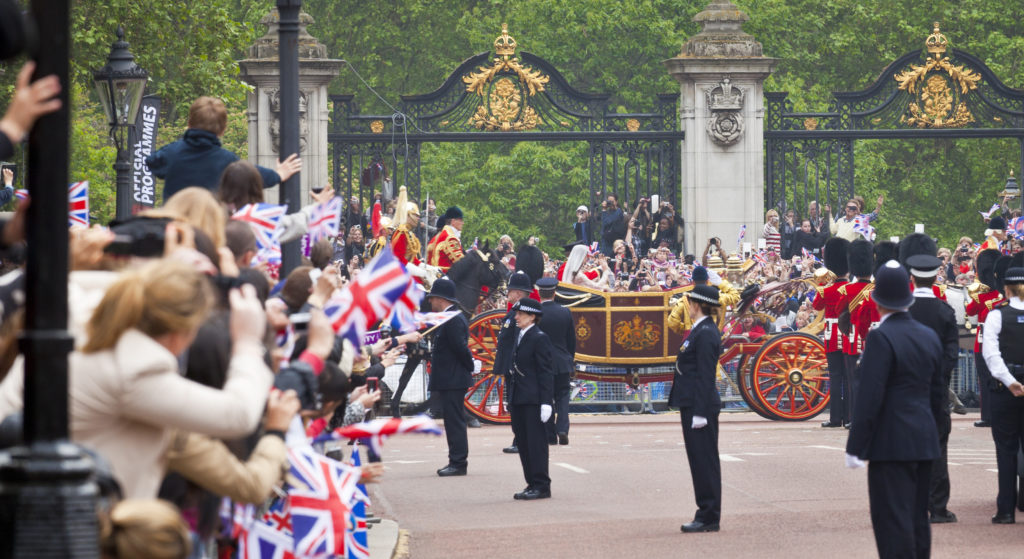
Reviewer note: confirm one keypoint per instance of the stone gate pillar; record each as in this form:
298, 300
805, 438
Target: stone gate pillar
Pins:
316, 71
721, 72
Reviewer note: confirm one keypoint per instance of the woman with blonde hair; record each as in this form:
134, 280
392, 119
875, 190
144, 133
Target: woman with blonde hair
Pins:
197, 207
125, 394
144, 529
772, 237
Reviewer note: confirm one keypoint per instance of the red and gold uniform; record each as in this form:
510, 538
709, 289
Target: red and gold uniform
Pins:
833, 302
990, 243
445, 249
852, 298
864, 315
980, 305
405, 245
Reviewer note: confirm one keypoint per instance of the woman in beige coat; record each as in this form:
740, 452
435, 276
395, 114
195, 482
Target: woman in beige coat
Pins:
125, 393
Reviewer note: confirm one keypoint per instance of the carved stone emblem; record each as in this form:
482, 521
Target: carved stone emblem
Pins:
274, 96
725, 103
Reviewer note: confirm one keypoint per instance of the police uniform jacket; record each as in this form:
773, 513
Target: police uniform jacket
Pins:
506, 344
557, 324
696, 368
451, 363
532, 375
901, 393
939, 316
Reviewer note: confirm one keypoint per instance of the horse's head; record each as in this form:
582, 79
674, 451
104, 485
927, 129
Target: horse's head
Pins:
493, 272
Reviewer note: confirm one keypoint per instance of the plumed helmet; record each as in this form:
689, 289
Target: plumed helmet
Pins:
884, 252
914, 244
985, 266
531, 261
860, 259
835, 256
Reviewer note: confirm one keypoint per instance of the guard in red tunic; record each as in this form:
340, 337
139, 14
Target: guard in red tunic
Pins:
864, 314
995, 235
403, 241
830, 300
445, 248
984, 298
861, 266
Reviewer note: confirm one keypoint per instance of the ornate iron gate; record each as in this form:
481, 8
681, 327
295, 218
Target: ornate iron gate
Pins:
935, 92
509, 97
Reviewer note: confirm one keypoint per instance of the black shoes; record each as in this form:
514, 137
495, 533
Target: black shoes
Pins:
530, 494
944, 517
982, 424
831, 424
1020, 497
513, 449
450, 470
473, 423
563, 438
698, 526
1003, 518
552, 441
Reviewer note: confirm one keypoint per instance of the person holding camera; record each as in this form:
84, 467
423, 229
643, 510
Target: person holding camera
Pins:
31, 100
1004, 356
613, 223
583, 229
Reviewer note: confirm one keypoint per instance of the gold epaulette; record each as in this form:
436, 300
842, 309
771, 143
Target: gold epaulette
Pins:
942, 289
976, 289
861, 297
842, 289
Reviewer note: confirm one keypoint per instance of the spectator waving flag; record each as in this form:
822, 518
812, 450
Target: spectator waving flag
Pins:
78, 204
320, 502
376, 290
325, 220
373, 433
862, 225
431, 319
264, 220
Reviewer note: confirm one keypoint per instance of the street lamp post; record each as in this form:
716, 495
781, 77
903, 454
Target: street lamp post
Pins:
120, 85
47, 496
288, 60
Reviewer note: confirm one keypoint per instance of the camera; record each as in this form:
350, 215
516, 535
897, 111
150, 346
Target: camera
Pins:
138, 236
299, 321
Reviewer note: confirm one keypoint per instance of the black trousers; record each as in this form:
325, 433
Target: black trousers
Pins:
898, 492
839, 388
984, 382
532, 440
559, 421
1008, 434
938, 492
403, 381
705, 468
451, 403
852, 382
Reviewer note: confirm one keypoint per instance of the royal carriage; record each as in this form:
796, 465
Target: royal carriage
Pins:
779, 375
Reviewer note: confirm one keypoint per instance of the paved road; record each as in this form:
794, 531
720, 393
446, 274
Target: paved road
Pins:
622, 488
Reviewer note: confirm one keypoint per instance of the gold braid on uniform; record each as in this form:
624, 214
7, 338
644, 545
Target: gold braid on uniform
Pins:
412, 244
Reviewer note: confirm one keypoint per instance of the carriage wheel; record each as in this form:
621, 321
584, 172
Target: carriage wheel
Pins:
746, 383
486, 397
789, 377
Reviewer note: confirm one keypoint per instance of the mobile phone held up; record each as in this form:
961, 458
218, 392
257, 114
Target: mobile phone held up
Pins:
372, 384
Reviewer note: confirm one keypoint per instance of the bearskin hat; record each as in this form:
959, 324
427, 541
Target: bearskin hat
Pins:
835, 256
914, 244
985, 265
1017, 260
859, 258
884, 252
531, 261
999, 270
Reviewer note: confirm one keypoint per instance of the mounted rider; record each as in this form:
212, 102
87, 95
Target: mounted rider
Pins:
404, 243
445, 248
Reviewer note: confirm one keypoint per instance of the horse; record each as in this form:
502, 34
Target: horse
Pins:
478, 268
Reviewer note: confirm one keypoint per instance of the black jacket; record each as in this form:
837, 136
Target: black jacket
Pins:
505, 344
532, 379
696, 369
557, 324
584, 231
939, 316
811, 241
451, 363
901, 393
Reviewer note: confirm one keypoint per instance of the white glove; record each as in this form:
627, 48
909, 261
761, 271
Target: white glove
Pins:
545, 413
415, 271
853, 462
713, 278
699, 422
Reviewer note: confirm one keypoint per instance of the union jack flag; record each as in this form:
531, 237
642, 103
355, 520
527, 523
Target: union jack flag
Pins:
264, 220
760, 259
325, 220
862, 225
21, 194
78, 204
593, 248
320, 502
269, 537
357, 539
378, 288
743, 233
986, 215
808, 255
374, 433
428, 319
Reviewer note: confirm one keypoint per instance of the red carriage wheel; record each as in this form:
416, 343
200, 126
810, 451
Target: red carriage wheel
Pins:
746, 385
486, 397
789, 377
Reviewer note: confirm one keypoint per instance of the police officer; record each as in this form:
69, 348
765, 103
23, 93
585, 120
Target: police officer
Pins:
451, 373
530, 395
939, 316
1004, 354
557, 324
519, 286
899, 401
695, 394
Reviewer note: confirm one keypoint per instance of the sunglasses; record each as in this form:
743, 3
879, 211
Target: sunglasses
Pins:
854, 208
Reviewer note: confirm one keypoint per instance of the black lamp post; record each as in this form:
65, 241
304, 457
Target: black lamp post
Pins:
120, 85
1011, 190
288, 60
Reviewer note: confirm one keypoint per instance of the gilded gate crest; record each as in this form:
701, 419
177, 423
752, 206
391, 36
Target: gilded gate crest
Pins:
938, 88
505, 89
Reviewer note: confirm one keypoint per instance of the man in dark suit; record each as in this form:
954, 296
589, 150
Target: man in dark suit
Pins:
530, 394
939, 316
451, 373
519, 286
899, 402
557, 324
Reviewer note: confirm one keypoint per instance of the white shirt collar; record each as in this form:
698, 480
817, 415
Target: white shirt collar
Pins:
1017, 303
884, 317
523, 331
924, 292
698, 321
453, 232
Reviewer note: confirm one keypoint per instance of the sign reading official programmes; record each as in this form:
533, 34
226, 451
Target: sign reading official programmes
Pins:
142, 139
